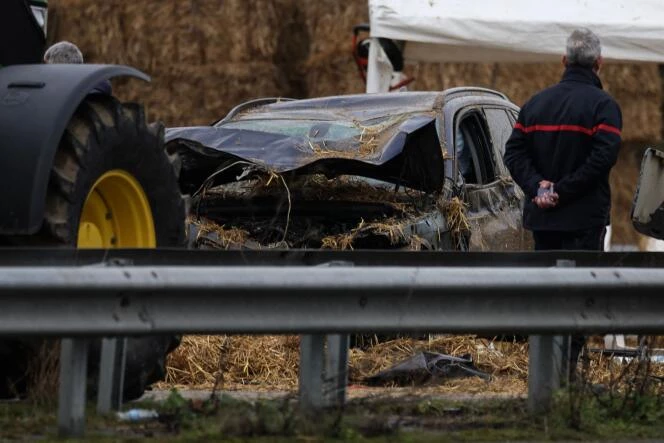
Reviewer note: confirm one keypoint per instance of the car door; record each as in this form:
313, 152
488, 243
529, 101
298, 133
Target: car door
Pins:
493, 201
501, 121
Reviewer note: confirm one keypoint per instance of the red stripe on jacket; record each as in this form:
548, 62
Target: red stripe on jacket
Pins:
569, 128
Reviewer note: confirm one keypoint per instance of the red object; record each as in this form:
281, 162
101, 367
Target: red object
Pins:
570, 128
362, 61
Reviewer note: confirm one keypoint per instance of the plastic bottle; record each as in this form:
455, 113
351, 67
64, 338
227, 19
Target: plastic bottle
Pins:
138, 415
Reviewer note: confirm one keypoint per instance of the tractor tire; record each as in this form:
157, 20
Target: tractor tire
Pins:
103, 136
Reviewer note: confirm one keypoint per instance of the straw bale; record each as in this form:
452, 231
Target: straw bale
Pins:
334, 76
330, 25
521, 80
622, 79
440, 76
239, 30
642, 119
151, 33
329, 68
638, 90
95, 27
191, 95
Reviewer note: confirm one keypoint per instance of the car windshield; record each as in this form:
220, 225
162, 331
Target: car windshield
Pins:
311, 129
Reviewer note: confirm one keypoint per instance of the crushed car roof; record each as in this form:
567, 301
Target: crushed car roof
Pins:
392, 137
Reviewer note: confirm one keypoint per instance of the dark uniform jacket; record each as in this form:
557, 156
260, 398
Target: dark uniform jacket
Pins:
568, 134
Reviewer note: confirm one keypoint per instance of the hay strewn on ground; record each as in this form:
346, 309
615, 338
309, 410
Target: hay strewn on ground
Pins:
271, 362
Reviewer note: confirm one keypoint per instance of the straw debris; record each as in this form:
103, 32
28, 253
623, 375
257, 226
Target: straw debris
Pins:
292, 216
223, 238
457, 221
266, 362
271, 362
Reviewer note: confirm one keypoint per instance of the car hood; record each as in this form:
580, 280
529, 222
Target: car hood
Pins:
402, 149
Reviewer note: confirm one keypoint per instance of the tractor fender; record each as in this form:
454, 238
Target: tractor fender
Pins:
36, 104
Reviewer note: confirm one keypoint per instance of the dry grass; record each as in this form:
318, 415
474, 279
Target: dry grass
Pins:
455, 214
224, 238
43, 373
271, 362
266, 362
391, 229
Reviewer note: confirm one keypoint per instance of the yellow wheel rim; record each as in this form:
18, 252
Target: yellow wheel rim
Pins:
116, 214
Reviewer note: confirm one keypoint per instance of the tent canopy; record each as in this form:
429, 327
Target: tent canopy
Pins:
518, 30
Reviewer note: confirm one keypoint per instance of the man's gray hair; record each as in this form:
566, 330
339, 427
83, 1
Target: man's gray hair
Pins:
583, 48
63, 52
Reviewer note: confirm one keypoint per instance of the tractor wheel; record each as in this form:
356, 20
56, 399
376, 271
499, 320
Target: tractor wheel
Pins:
114, 186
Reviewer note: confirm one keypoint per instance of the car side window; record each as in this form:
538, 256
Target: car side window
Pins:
500, 127
475, 159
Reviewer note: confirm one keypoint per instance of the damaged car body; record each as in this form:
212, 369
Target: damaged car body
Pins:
408, 170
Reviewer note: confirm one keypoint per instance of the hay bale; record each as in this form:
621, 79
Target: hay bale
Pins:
330, 25
642, 119
638, 90
198, 95
440, 76
329, 68
153, 33
335, 76
95, 27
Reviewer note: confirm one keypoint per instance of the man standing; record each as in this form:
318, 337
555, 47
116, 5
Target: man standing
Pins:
562, 149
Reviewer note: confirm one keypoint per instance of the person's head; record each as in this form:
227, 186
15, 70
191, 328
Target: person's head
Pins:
584, 49
63, 52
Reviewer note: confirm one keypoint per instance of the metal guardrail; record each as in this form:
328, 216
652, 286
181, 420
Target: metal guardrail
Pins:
336, 299
101, 301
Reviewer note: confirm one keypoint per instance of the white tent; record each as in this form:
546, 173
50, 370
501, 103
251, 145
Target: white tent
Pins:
513, 30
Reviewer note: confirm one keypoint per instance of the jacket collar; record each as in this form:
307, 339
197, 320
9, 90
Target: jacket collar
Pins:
582, 75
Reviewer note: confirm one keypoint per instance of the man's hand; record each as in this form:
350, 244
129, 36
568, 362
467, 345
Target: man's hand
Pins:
546, 198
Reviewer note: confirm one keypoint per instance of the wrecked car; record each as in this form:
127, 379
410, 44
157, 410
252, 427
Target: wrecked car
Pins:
407, 170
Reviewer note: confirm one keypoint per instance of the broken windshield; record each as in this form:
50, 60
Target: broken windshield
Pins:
312, 129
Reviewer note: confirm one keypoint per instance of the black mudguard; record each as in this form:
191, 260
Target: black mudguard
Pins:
36, 104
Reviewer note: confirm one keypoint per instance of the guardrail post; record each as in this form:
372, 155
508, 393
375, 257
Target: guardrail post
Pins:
542, 374
564, 344
336, 370
548, 363
111, 374
71, 392
312, 351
